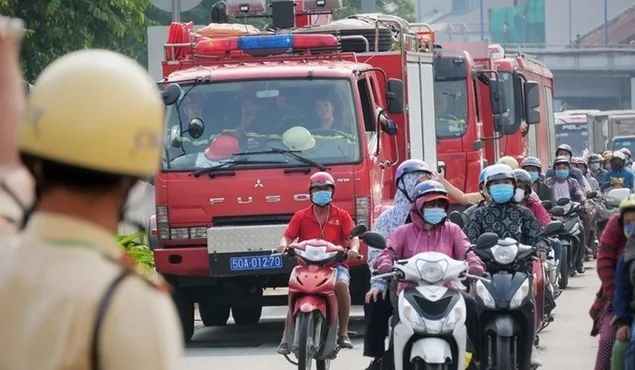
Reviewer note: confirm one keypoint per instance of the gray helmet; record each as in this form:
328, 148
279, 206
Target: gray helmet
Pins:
531, 162
497, 172
561, 160
522, 176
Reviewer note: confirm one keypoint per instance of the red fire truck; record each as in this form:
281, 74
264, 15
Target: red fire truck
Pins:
219, 213
528, 85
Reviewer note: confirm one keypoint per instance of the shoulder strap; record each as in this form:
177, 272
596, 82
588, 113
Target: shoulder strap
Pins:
104, 303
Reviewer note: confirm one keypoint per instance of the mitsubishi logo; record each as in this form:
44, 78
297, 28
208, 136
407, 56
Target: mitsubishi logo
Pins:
259, 184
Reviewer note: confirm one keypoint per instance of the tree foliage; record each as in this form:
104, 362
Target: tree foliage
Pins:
56, 27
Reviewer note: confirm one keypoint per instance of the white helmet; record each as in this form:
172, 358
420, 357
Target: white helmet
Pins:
298, 138
619, 155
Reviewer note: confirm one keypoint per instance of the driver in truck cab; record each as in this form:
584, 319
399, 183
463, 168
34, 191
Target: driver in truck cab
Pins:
323, 220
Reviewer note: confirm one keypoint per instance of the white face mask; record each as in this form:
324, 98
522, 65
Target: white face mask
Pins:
519, 195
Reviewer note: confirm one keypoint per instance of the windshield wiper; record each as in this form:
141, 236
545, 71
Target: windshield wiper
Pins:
227, 165
289, 153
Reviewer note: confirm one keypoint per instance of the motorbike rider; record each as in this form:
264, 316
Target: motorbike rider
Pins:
481, 187
459, 197
378, 312
564, 150
503, 216
595, 167
534, 167
94, 300
564, 186
323, 220
430, 231
612, 244
582, 165
629, 160
606, 160
619, 175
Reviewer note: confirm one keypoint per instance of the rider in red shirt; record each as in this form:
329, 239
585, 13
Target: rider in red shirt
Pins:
323, 220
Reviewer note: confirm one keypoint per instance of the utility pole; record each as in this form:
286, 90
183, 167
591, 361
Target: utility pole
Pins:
176, 10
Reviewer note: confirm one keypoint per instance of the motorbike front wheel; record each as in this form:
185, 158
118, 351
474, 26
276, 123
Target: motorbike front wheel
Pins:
563, 282
504, 355
305, 324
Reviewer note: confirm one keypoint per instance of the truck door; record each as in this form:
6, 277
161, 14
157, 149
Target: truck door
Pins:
373, 144
420, 109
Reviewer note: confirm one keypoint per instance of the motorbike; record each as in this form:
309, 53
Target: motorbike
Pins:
431, 333
510, 313
312, 301
571, 238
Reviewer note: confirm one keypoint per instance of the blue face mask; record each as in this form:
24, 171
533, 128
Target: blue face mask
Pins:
322, 198
628, 230
434, 216
501, 193
562, 174
534, 175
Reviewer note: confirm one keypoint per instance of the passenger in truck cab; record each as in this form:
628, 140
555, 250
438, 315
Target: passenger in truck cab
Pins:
619, 176
323, 220
533, 166
565, 150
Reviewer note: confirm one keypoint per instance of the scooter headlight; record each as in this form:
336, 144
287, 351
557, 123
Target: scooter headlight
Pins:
520, 295
315, 253
504, 254
454, 317
484, 295
408, 313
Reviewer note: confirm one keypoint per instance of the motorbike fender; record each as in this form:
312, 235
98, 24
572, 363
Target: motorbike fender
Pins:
502, 325
431, 350
310, 303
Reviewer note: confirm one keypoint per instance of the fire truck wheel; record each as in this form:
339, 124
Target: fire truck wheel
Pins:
246, 315
185, 308
213, 315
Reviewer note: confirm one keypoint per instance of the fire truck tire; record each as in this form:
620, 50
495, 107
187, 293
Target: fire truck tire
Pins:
185, 308
246, 315
213, 315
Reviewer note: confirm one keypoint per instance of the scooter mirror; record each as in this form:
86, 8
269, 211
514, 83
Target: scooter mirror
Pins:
562, 201
457, 218
553, 228
557, 211
547, 204
358, 230
486, 240
374, 240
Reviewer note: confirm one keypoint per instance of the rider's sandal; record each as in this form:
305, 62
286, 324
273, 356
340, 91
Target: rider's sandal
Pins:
283, 349
344, 342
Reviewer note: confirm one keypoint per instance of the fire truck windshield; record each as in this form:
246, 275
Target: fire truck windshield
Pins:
450, 106
314, 118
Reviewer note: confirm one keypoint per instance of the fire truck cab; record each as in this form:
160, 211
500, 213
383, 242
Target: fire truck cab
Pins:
248, 119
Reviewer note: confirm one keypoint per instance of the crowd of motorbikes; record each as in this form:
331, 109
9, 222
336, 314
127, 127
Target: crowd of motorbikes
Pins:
515, 297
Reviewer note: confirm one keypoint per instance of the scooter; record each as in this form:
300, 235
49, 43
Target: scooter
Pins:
431, 333
509, 314
571, 238
312, 301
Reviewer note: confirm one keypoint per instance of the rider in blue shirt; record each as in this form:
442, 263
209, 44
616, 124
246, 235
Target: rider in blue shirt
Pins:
619, 175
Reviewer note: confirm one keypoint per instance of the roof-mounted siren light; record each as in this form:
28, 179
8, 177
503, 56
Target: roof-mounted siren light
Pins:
321, 6
496, 51
246, 8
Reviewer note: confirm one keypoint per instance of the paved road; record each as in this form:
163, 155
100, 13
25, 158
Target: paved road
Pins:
564, 344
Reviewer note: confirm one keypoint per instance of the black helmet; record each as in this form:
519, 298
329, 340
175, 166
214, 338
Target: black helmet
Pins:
594, 158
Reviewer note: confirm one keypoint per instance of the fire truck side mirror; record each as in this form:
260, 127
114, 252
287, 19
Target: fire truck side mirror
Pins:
394, 96
532, 102
497, 97
171, 94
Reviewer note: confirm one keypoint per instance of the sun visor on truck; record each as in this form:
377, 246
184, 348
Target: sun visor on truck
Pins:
450, 65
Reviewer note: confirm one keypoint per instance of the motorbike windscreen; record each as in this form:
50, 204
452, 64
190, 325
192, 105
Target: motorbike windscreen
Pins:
450, 107
316, 118
573, 134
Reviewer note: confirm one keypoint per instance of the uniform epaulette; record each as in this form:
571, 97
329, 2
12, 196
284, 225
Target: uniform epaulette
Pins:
151, 277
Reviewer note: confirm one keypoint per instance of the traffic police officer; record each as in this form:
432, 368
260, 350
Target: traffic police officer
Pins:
70, 301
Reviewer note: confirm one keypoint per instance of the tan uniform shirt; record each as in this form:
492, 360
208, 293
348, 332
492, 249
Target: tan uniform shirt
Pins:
52, 277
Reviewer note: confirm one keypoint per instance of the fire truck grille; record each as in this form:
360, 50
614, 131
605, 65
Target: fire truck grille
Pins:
256, 220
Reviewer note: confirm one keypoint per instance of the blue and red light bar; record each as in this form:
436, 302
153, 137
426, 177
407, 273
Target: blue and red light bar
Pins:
266, 43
